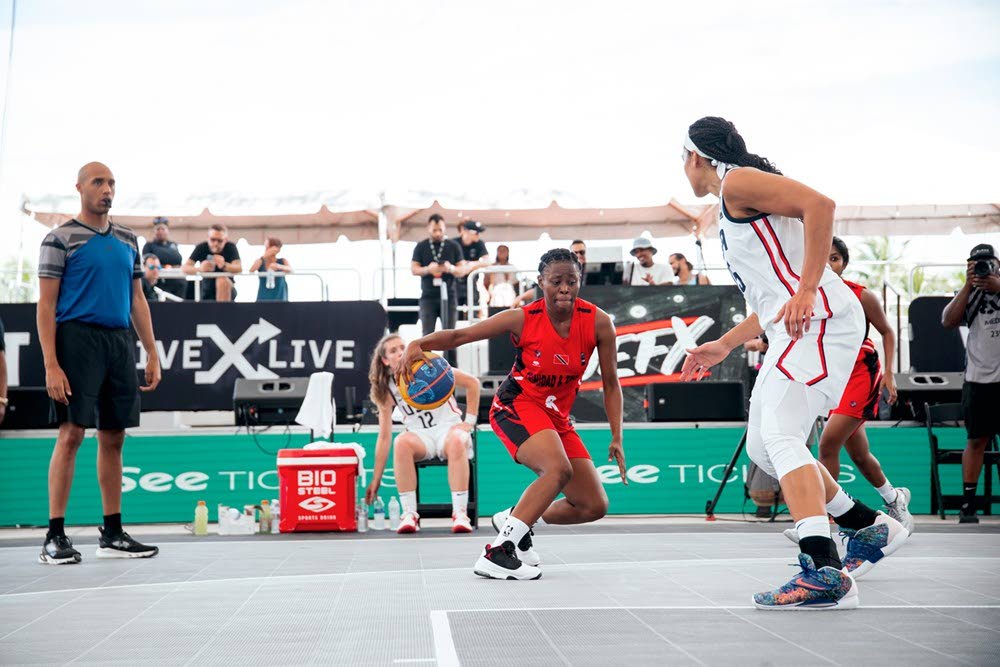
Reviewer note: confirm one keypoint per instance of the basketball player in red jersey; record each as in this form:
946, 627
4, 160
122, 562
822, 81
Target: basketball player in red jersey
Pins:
846, 425
554, 338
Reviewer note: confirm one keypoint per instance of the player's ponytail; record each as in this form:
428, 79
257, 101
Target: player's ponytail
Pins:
718, 138
380, 375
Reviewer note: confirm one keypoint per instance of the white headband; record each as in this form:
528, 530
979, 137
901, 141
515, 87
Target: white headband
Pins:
720, 167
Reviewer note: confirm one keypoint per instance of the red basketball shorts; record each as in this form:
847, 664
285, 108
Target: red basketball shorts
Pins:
516, 421
860, 399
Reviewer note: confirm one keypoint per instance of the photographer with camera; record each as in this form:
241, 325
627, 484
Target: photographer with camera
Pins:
977, 306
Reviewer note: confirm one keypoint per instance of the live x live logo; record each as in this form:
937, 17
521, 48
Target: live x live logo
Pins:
204, 348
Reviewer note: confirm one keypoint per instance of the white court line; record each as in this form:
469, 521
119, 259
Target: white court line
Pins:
554, 567
698, 607
444, 645
479, 537
399, 661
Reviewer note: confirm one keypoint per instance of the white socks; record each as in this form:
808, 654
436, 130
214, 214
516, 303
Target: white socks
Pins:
840, 504
459, 502
409, 501
513, 531
888, 493
813, 526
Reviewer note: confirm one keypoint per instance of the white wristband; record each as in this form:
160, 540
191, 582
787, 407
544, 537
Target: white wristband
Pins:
471, 418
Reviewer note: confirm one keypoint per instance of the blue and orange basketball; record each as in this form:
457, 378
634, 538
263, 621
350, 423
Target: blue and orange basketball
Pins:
432, 385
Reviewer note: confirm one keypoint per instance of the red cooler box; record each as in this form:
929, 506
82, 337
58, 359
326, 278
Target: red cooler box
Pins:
317, 489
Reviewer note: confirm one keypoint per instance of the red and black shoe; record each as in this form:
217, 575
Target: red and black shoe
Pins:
501, 562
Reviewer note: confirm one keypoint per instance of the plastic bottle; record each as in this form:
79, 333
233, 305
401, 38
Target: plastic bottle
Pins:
379, 514
393, 513
201, 518
265, 517
275, 516
362, 516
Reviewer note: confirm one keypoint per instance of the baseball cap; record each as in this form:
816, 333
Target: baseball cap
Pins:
982, 251
160, 220
473, 226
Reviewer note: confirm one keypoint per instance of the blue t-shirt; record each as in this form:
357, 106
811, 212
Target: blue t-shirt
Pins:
96, 270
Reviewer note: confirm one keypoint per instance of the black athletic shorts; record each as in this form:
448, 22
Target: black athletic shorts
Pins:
100, 366
981, 405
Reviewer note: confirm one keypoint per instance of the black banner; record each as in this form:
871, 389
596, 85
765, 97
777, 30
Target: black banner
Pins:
648, 349
205, 347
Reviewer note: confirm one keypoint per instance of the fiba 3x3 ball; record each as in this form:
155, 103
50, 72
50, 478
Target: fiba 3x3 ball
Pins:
432, 385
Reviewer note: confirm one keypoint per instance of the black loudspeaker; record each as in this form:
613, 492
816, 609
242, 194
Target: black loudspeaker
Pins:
915, 389
932, 347
397, 318
28, 408
500, 350
267, 402
695, 401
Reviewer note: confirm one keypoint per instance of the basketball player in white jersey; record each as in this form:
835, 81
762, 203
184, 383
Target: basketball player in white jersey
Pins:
776, 236
443, 432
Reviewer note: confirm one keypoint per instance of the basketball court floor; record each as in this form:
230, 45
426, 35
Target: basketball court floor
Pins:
622, 592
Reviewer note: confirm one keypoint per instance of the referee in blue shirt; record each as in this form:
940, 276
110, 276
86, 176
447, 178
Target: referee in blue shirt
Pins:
90, 297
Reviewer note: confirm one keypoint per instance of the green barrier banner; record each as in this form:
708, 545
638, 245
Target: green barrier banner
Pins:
670, 471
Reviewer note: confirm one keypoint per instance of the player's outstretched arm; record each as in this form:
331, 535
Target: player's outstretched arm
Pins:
607, 353
382, 446
703, 357
507, 322
873, 311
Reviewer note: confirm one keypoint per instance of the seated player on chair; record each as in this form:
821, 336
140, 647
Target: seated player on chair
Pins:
442, 432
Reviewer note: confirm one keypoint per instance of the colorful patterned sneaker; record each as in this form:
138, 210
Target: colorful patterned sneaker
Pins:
868, 546
824, 589
899, 509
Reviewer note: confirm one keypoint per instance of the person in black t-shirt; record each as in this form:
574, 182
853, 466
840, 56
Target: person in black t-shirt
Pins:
150, 276
215, 256
436, 260
169, 254
475, 254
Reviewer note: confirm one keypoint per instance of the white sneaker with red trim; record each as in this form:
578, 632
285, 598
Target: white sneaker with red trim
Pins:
460, 523
409, 523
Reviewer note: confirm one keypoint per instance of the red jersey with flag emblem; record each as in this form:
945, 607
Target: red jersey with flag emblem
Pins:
547, 367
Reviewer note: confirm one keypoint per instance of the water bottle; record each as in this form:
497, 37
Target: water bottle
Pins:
265, 517
362, 516
393, 513
201, 518
270, 279
275, 516
379, 514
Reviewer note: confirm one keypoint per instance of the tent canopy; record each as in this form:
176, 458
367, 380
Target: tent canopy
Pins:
527, 224
407, 224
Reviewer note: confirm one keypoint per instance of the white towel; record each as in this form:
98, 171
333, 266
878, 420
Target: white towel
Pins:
318, 411
358, 450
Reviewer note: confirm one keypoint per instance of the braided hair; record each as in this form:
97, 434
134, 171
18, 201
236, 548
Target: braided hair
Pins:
557, 255
841, 248
718, 138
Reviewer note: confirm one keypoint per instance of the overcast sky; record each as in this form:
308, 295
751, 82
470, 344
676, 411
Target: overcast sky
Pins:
869, 102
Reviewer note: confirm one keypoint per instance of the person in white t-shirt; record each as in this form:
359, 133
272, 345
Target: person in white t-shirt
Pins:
443, 432
646, 272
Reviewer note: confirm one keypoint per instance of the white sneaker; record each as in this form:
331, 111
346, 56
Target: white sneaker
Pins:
791, 534
525, 549
501, 562
409, 523
460, 523
899, 509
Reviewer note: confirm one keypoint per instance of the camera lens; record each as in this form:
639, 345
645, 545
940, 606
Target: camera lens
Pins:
982, 268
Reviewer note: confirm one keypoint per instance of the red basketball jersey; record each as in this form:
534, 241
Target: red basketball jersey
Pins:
858, 289
547, 367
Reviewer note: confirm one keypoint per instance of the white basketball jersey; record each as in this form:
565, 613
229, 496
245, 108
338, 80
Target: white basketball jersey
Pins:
414, 419
764, 255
